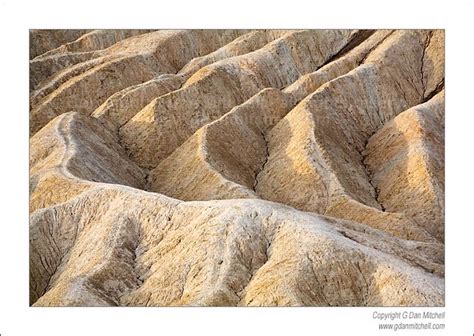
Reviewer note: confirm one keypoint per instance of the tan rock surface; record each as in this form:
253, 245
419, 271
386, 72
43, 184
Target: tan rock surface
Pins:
86, 47
169, 120
43, 40
306, 168
86, 85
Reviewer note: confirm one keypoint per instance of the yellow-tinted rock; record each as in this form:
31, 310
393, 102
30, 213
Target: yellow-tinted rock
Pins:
237, 168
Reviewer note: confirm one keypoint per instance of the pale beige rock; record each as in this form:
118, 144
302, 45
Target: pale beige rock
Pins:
256, 253
168, 121
182, 175
96, 40
80, 50
125, 104
327, 173
223, 158
43, 40
343, 128
79, 151
120, 107
44, 68
129, 62
406, 160
433, 62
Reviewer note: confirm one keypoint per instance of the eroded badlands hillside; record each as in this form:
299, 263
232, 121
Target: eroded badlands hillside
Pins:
237, 167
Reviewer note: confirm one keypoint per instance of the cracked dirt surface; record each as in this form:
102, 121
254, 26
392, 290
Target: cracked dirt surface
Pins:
237, 168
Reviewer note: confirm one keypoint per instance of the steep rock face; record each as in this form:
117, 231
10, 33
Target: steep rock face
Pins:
86, 47
42, 40
225, 155
306, 168
79, 151
154, 132
336, 129
87, 85
406, 160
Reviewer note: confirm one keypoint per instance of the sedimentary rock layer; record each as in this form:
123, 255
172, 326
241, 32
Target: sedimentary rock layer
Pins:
237, 167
